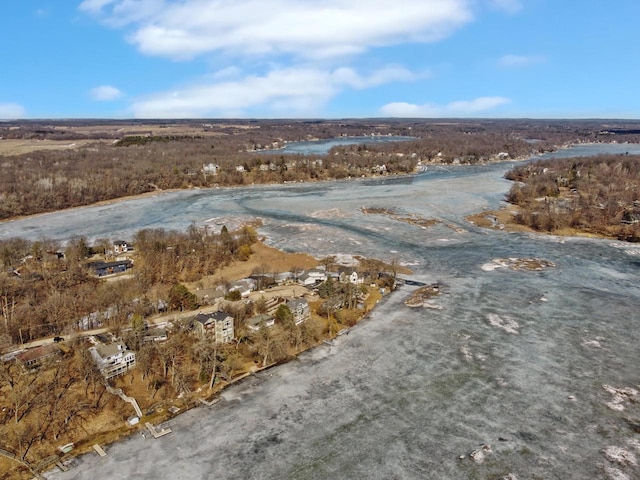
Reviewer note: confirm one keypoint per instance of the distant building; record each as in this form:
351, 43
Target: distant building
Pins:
631, 217
210, 169
113, 359
218, 325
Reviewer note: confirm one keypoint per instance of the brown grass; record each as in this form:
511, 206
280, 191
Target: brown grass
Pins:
506, 218
272, 259
20, 146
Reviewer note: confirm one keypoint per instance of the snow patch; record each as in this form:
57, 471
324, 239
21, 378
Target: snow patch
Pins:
620, 455
507, 324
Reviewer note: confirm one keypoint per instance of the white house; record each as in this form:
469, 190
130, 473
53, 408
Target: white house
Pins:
245, 287
113, 359
350, 276
120, 246
211, 169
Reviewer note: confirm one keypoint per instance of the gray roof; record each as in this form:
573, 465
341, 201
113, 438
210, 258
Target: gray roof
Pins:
258, 319
106, 351
205, 318
294, 302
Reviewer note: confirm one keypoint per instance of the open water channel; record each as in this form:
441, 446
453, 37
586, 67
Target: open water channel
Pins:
539, 366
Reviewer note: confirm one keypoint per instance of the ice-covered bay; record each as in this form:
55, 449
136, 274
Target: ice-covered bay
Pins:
537, 365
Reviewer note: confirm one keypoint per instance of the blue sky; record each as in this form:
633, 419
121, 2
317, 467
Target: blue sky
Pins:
321, 59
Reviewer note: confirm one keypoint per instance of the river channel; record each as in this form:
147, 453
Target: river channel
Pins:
540, 367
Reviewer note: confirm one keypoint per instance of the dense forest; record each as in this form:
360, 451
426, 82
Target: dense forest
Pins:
599, 195
129, 158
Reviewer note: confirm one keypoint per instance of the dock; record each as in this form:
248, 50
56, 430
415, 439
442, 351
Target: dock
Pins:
99, 450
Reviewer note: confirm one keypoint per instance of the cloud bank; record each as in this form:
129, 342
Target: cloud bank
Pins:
304, 48
11, 111
295, 90
302, 28
461, 108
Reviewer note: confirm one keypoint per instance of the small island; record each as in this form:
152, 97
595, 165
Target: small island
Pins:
422, 296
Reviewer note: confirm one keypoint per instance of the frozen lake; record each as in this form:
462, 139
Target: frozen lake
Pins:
533, 364
322, 147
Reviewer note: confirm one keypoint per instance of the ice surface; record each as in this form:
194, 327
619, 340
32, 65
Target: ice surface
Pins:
409, 391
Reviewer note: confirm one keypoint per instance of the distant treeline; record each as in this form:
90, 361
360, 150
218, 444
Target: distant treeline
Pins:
157, 156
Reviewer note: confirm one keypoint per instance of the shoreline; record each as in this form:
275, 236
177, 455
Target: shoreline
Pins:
86, 447
117, 200
164, 414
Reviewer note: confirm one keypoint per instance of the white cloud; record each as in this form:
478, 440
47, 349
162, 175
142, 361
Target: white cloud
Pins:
520, 60
11, 111
292, 91
461, 108
511, 6
94, 6
105, 93
303, 28
226, 73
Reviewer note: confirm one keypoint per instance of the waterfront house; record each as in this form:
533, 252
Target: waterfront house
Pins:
218, 325
300, 309
36, 357
631, 217
113, 359
259, 321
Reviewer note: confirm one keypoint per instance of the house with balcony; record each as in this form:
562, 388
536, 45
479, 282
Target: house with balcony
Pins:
300, 309
217, 325
113, 359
